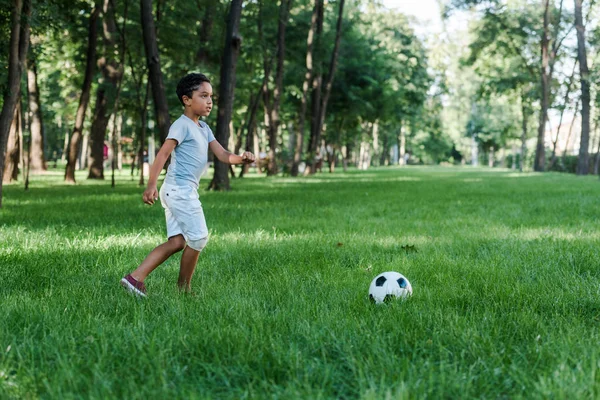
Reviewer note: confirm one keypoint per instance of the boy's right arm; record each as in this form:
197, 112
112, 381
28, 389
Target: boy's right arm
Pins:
151, 193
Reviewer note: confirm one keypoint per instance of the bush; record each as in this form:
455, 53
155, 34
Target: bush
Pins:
508, 161
564, 164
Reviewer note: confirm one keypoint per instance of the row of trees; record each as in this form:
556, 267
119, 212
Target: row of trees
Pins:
298, 81
288, 85
529, 59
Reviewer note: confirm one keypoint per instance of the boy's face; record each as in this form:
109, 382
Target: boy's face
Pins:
201, 101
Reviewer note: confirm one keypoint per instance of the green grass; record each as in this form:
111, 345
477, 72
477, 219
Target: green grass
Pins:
506, 286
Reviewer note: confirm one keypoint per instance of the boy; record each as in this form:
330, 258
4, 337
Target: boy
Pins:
188, 140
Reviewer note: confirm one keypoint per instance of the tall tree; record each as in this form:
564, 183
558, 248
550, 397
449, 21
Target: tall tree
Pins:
540, 153
84, 98
163, 121
231, 51
511, 34
106, 93
17, 51
251, 126
566, 101
550, 45
272, 100
116, 130
37, 161
13, 148
320, 99
203, 54
583, 162
317, 83
305, 87
330, 76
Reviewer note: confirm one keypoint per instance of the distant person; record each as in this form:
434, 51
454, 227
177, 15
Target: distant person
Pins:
188, 141
106, 156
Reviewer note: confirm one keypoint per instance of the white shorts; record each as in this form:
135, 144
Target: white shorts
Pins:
183, 212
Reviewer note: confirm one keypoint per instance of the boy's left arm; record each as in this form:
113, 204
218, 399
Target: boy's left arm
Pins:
230, 158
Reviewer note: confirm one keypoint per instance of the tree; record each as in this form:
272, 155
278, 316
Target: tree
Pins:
19, 43
106, 92
540, 158
305, 87
231, 51
381, 83
322, 106
84, 98
272, 101
499, 56
510, 30
163, 121
549, 48
319, 99
37, 161
583, 162
563, 107
13, 147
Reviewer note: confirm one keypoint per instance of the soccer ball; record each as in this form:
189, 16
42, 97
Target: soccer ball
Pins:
389, 285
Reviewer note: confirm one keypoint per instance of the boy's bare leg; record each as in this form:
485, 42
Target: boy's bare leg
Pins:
189, 258
158, 256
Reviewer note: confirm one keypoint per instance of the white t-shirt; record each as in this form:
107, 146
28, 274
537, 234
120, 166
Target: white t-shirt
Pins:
189, 158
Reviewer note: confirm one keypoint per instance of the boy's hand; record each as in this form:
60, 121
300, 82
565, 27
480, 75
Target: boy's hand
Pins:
150, 195
247, 158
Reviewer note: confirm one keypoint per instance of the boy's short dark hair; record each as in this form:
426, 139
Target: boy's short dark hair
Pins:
188, 84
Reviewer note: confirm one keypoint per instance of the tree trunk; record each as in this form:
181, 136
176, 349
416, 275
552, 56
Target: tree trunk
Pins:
562, 112
26, 161
106, 93
231, 51
273, 108
583, 161
305, 86
143, 128
525, 117
13, 148
204, 32
540, 155
161, 107
331, 74
402, 146
331, 157
348, 154
97, 134
564, 154
375, 137
118, 120
474, 150
19, 43
76, 135
597, 158
250, 128
317, 81
37, 161
384, 151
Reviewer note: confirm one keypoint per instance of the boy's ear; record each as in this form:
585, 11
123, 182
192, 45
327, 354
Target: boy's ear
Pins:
185, 99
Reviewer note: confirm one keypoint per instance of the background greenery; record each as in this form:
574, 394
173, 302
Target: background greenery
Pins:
448, 91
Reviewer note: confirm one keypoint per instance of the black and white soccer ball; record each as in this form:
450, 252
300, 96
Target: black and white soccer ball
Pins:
389, 285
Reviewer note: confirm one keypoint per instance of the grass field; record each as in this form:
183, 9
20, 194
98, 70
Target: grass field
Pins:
506, 280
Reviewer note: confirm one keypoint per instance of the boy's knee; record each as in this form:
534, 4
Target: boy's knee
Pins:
198, 244
178, 242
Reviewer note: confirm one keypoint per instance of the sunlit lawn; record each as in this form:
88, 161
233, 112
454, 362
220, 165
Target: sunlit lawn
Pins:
506, 289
